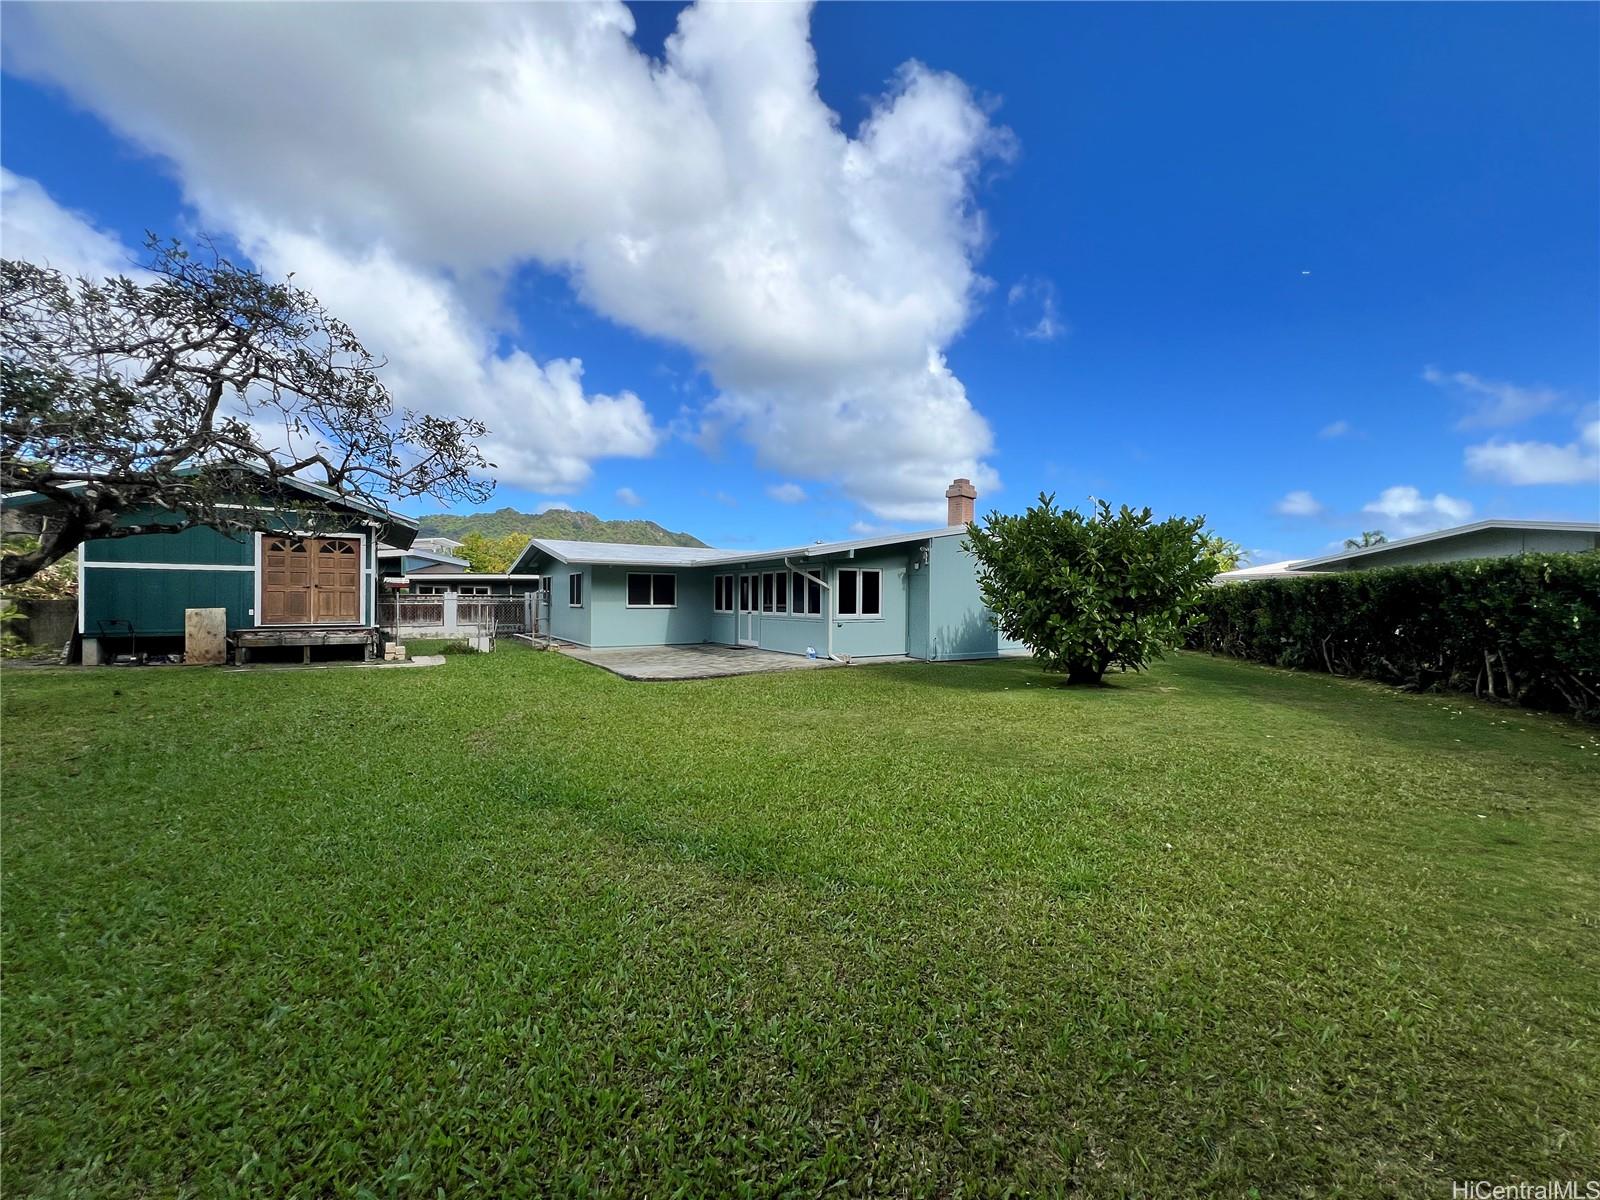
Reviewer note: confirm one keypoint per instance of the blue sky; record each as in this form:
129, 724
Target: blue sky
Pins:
1304, 269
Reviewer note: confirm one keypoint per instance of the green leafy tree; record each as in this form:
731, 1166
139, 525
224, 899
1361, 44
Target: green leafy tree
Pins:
1087, 593
58, 581
491, 556
1369, 537
1220, 554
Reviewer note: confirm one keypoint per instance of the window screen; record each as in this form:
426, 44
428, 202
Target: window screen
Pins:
575, 590
664, 590
638, 590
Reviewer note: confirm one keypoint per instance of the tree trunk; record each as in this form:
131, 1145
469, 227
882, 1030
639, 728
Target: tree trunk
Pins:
1084, 673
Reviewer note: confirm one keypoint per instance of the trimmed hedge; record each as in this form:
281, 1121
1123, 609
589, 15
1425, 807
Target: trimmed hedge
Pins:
1524, 629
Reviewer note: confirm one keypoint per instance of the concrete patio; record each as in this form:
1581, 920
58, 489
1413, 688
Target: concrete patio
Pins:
691, 662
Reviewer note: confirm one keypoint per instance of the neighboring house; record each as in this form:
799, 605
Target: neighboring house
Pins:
294, 587
437, 545
419, 560
1482, 539
912, 594
434, 573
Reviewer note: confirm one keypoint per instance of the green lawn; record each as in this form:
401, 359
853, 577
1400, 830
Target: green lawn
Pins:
514, 926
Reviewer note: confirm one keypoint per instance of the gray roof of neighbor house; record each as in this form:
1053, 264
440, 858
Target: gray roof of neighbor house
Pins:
623, 554
415, 551
1357, 553
1272, 570
1353, 556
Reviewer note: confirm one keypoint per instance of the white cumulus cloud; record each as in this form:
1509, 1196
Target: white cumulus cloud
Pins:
34, 227
626, 495
787, 493
1335, 429
1298, 504
1525, 463
1407, 511
710, 198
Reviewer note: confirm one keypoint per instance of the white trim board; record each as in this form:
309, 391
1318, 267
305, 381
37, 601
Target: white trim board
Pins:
167, 566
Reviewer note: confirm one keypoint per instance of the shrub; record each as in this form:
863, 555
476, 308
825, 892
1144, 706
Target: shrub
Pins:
1086, 593
1524, 629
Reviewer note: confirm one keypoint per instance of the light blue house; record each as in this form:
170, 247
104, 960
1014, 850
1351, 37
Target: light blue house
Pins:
911, 594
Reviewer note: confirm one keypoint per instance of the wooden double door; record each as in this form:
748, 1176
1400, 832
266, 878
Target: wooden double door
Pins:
310, 580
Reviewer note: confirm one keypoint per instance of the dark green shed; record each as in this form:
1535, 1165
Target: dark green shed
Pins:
273, 585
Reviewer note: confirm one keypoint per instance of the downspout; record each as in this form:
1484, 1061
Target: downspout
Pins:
827, 614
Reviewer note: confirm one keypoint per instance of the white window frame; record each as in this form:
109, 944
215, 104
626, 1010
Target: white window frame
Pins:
858, 615
575, 587
652, 576
476, 589
724, 592
800, 583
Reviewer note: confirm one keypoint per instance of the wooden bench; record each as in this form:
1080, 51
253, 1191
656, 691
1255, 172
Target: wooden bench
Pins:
306, 637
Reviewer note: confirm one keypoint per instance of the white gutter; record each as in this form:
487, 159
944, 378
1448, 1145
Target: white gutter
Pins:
827, 606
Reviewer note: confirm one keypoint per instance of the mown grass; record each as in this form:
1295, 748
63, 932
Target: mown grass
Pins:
514, 926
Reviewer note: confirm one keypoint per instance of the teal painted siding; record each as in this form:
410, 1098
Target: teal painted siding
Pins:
566, 623
198, 545
613, 623
790, 634
867, 636
959, 625
154, 600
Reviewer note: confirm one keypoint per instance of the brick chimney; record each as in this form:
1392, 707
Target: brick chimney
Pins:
961, 497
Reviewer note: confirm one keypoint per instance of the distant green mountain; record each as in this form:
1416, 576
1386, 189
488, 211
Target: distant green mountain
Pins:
553, 523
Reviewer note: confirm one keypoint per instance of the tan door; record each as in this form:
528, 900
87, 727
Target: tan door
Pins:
285, 581
336, 581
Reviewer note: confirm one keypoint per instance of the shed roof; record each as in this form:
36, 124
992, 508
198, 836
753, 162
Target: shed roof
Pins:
398, 530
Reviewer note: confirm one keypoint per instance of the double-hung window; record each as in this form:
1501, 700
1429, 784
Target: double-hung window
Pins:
722, 594
652, 591
858, 593
575, 590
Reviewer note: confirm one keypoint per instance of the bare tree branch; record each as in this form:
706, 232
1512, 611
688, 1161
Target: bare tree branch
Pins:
170, 394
